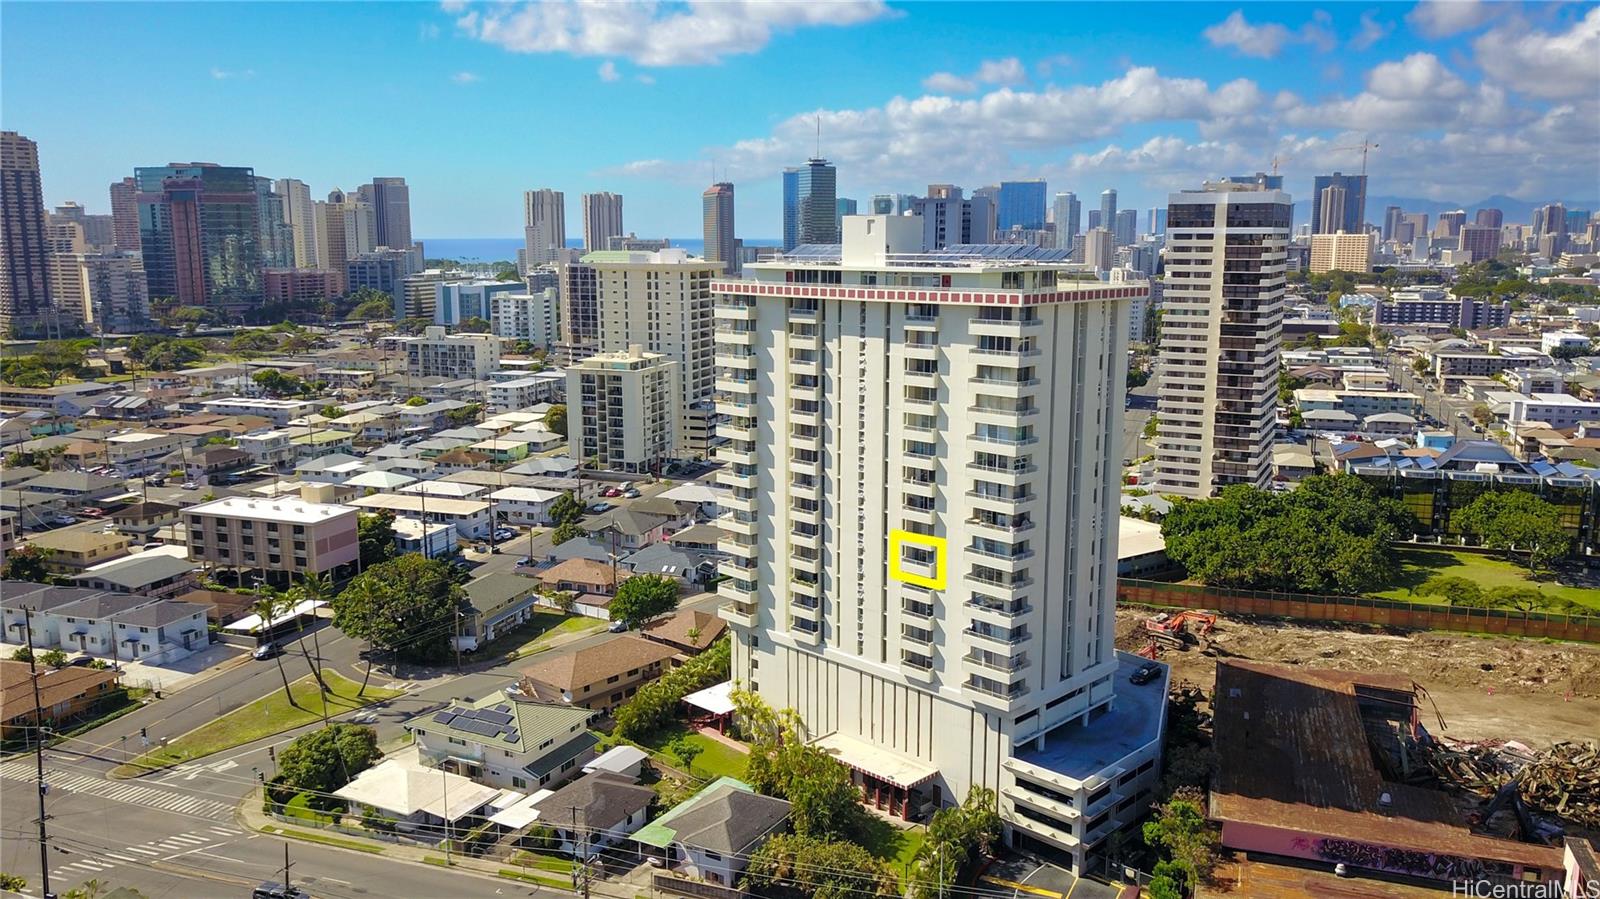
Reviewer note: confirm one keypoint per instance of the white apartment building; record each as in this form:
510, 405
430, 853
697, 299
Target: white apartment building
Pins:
137, 452
267, 448
1341, 252
622, 410
280, 534
526, 316
520, 393
921, 520
279, 412
661, 301
436, 354
1554, 342
1221, 326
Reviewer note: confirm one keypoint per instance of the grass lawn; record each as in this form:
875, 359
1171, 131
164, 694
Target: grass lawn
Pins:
266, 716
893, 845
535, 634
324, 839
523, 858
300, 807
1417, 565
715, 760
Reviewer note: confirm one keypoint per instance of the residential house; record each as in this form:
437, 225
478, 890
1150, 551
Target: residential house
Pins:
470, 517
72, 550
222, 606
65, 694
581, 576
598, 677
686, 567
139, 452
144, 518
268, 448
281, 534
460, 459
609, 809
89, 624
505, 743
504, 450
499, 602
204, 464
689, 631
321, 442
712, 834
432, 539
370, 482
154, 572
75, 487
423, 801
631, 529
525, 505
162, 632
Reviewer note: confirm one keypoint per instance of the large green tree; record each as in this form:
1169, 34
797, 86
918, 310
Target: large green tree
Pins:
1180, 830
1457, 591
26, 563
407, 605
375, 533
556, 419
791, 866
1331, 535
643, 597
326, 759
959, 837
1516, 521
824, 804
656, 702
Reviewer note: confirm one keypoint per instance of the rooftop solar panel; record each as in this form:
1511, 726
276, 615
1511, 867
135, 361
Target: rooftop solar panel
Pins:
511, 737
493, 717
444, 717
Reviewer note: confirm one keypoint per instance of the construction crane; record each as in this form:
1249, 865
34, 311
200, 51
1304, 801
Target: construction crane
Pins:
1278, 161
1364, 146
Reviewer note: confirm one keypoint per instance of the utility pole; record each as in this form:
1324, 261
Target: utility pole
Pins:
444, 780
286, 866
38, 751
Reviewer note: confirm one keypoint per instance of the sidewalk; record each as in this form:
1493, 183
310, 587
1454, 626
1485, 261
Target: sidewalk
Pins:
252, 817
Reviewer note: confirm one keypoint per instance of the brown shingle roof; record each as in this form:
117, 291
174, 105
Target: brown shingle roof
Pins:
675, 628
596, 663
579, 571
16, 692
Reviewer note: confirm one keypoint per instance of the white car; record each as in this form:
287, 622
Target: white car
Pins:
190, 485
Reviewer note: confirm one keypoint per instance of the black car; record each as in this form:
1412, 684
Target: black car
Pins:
1147, 672
273, 890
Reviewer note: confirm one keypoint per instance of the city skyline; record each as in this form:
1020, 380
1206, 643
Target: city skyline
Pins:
1144, 116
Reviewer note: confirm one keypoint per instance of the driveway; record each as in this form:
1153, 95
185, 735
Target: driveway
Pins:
1031, 878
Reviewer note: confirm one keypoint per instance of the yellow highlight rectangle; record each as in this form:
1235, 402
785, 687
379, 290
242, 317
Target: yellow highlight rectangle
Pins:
897, 537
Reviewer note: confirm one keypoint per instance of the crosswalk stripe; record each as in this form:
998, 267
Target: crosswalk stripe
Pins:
193, 841
224, 831
120, 858
142, 851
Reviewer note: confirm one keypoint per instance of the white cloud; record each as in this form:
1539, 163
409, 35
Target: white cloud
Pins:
1371, 32
1319, 32
698, 32
948, 83
465, 78
608, 71
643, 78
1047, 66
1008, 71
1542, 63
427, 31
1263, 41
1443, 18
225, 74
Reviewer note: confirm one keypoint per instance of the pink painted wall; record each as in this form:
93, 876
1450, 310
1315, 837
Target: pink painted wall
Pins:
1370, 854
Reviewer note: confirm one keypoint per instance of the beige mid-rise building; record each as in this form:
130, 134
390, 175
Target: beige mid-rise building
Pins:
622, 410
437, 354
922, 470
1221, 327
279, 534
1341, 252
661, 302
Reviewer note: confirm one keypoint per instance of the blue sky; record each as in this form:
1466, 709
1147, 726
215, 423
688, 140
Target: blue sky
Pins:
474, 103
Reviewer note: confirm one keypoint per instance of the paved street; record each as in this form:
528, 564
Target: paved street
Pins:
1446, 409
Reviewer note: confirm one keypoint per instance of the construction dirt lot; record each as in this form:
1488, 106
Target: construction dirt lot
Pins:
1484, 688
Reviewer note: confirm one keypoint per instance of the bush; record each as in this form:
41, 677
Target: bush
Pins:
657, 702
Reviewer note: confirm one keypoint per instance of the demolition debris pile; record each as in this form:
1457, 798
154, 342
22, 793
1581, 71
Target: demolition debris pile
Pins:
1561, 782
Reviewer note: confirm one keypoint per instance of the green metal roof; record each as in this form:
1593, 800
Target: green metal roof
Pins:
502, 723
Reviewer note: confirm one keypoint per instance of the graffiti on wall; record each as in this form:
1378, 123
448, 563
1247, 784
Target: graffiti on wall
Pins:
1407, 861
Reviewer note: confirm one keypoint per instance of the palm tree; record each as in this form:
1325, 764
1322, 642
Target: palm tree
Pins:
312, 587
267, 608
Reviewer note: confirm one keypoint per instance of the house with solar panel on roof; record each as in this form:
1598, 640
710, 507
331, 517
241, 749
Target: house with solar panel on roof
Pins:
505, 743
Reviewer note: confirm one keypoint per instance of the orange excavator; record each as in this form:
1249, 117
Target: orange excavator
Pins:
1179, 631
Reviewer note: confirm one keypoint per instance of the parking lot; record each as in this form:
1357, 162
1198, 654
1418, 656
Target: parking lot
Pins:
1027, 876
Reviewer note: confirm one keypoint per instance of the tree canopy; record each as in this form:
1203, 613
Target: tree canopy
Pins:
1331, 535
791, 866
26, 563
556, 419
656, 702
474, 324
824, 804
1517, 521
643, 597
325, 760
375, 533
958, 839
276, 383
407, 605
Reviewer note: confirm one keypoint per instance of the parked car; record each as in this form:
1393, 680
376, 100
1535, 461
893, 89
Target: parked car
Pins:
611, 492
1146, 673
598, 508
631, 493
618, 627
190, 485
273, 890
504, 534
92, 512
63, 520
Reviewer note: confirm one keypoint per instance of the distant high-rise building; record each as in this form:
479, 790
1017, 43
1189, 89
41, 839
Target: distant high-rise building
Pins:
300, 213
602, 219
1578, 220
277, 236
346, 229
1489, 218
1127, 227
716, 219
842, 207
580, 311
1392, 217
25, 306
1094, 220
1549, 219
891, 204
1100, 249
125, 215
791, 208
1158, 220
544, 219
984, 214
1355, 203
1220, 337
1340, 252
816, 203
96, 229
1108, 208
1068, 214
1450, 223
1261, 180
942, 191
1479, 242
391, 209
1330, 210
1419, 226
200, 230
1022, 205
948, 219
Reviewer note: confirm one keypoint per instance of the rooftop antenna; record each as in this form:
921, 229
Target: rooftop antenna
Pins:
819, 135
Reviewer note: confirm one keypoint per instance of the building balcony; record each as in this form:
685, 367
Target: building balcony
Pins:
1053, 807
812, 564
919, 513
803, 366
1009, 387
1001, 664
1006, 503
917, 666
732, 501
1002, 327
1001, 443
805, 342
806, 607
1003, 699
732, 590
735, 336
1001, 416
917, 609
1004, 357
730, 431
918, 635
1003, 613
804, 313
919, 488
995, 527
921, 350
728, 453
921, 377
740, 613
809, 515
735, 389
732, 311
736, 567
806, 631
1007, 561
1010, 475
729, 359
1018, 636
811, 541
734, 525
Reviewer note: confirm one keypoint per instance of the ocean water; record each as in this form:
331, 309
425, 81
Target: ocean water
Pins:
498, 249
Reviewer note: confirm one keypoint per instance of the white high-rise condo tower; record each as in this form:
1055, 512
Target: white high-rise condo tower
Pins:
923, 459
544, 233
1220, 330
602, 219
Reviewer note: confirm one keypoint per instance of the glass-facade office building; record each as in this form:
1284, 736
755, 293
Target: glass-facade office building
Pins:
200, 233
1021, 205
